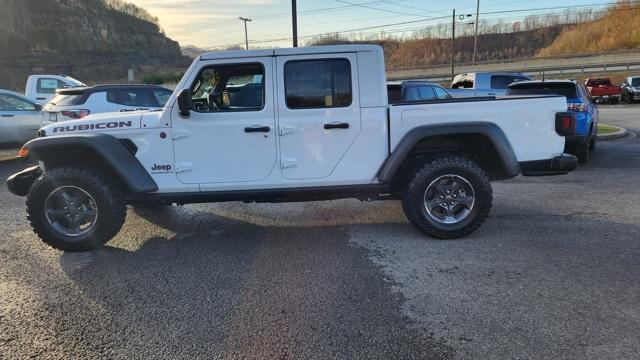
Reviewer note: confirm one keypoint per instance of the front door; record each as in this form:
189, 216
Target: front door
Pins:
229, 136
318, 113
20, 119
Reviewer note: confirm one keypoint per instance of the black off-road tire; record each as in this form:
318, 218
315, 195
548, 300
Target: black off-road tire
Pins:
414, 205
109, 201
592, 143
582, 151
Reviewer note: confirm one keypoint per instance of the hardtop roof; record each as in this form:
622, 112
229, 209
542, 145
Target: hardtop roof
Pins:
311, 50
96, 88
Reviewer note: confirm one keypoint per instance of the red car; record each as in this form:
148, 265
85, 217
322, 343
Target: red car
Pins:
601, 90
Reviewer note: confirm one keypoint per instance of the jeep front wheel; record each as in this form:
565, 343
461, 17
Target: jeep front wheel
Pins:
448, 198
75, 208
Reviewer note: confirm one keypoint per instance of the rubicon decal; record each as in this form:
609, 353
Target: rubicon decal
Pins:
99, 126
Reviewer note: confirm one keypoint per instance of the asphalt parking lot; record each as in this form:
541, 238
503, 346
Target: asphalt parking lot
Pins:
554, 273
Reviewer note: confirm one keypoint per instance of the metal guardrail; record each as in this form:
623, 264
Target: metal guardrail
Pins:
541, 71
523, 60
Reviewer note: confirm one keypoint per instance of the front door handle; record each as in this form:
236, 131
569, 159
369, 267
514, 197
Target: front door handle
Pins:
8, 115
253, 129
41, 98
336, 126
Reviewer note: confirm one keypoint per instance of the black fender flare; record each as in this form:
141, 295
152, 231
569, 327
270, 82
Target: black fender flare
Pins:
491, 131
113, 152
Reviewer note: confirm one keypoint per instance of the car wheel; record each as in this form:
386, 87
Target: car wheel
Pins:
582, 151
75, 208
448, 198
592, 143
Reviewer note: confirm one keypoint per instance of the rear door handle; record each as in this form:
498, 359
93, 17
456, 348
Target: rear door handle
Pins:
336, 126
8, 115
253, 129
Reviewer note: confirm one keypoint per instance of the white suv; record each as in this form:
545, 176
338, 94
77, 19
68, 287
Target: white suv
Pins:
77, 103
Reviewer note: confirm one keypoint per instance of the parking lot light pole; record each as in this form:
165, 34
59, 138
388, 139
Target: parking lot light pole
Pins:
453, 45
294, 16
475, 36
246, 36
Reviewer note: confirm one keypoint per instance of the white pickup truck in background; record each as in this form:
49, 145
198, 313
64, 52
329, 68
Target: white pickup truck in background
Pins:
42, 88
484, 83
295, 124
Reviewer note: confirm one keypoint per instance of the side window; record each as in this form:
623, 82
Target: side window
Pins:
49, 86
463, 84
318, 83
133, 97
426, 93
441, 94
13, 103
411, 94
229, 87
503, 81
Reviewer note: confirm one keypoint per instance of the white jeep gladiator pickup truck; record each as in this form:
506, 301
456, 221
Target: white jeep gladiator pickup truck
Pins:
289, 125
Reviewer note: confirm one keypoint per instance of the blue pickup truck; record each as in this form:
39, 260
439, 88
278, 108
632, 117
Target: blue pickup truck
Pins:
578, 102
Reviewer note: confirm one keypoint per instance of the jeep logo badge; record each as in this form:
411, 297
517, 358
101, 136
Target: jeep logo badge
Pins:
158, 168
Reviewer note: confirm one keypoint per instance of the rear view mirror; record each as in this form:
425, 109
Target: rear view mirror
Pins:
185, 103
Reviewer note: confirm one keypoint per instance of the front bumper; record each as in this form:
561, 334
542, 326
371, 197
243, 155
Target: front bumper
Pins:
20, 183
558, 165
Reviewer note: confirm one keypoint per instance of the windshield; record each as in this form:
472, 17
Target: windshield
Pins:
74, 82
635, 81
565, 89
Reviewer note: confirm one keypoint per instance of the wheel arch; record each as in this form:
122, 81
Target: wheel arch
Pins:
484, 141
106, 151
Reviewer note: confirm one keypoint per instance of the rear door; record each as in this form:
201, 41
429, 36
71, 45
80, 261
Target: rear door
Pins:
318, 112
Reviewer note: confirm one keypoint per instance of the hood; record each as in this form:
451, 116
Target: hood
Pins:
96, 123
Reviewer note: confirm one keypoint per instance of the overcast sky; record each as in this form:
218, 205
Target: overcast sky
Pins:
214, 23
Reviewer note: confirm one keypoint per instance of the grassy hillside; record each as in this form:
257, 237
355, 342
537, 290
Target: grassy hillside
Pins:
618, 29
93, 40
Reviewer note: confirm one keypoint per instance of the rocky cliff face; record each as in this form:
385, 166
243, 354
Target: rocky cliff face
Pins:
92, 40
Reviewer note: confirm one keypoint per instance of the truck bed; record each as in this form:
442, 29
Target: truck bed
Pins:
529, 131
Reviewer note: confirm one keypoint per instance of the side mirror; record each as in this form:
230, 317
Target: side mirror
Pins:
37, 107
185, 102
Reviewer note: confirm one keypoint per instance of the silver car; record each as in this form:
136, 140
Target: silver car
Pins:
20, 118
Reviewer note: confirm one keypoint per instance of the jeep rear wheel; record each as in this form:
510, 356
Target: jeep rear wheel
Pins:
75, 208
448, 198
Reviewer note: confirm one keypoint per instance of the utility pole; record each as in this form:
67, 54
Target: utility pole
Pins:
453, 45
475, 37
246, 36
294, 16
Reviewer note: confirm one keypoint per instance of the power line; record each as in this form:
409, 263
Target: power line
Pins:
377, 9
446, 17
